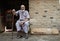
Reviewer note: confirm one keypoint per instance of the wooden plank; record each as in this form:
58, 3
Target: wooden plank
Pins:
44, 31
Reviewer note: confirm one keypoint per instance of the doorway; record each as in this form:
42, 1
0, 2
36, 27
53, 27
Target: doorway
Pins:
13, 4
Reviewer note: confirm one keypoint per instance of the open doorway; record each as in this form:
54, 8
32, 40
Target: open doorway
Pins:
13, 4
10, 4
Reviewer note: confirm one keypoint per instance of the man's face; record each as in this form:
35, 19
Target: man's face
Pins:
22, 7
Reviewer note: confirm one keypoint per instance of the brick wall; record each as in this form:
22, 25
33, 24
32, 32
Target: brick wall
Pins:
45, 13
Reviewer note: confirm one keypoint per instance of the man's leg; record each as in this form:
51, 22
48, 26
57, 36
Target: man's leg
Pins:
25, 28
18, 29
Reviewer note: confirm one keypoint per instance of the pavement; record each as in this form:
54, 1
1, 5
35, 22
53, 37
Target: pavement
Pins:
7, 36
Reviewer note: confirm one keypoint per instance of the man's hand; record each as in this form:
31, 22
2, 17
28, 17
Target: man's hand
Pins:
26, 20
22, 22
13, 10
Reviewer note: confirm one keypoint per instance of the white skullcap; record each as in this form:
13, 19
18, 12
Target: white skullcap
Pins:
22, 5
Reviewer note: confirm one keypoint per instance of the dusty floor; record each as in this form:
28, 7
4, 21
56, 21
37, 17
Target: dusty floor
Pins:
8, 37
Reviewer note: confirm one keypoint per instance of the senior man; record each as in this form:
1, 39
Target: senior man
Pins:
23, 21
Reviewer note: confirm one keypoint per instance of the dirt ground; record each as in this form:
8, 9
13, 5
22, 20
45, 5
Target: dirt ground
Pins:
8, 37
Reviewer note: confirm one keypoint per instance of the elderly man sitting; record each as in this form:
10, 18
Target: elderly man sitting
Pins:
23, 21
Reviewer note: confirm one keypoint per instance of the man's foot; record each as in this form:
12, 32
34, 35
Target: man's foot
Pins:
26, 36
19, 37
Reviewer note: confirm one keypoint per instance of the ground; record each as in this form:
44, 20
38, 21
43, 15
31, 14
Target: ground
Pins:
8, 37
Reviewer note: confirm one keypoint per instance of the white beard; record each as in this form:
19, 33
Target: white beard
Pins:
23, 10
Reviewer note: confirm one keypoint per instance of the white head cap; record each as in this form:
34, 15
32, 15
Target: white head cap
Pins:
22, 5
